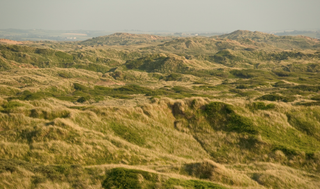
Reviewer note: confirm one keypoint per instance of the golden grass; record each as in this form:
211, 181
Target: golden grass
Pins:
165, 136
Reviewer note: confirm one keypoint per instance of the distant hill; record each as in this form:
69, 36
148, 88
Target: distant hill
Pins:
313, 34
125, 39
161, 63
284, 42
245, 34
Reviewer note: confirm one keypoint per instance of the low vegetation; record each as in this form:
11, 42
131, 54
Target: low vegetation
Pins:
240, 110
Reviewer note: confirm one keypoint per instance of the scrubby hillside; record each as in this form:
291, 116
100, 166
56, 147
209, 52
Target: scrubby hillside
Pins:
175, 113
284, 42
125, 39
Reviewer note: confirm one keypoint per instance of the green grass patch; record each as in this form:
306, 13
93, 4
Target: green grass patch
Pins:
275, 97
226, 57
129, 134
290, 139
11, 105
64, 55
307, 121
222, 116
4, 65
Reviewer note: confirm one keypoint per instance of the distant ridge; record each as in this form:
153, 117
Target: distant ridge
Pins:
11, 42
285, 42
243, 34
125, 39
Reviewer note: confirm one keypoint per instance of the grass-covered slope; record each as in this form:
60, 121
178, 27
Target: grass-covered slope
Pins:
285, 42
188, 113
125, 39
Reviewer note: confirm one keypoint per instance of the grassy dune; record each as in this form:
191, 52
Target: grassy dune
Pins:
139, 111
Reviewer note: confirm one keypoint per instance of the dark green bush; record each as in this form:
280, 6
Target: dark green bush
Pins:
80, 87
135, 64
251, 73
316, 97
173, 77
242, 86
261, 106
121, 178
275, 97
129, 178
45, 52
65, 74
222, 117
83, 99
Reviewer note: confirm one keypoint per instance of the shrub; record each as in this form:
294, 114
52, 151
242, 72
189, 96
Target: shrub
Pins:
222, 117
281, 73
65, 74
173, 77
275, 97
261, 106
129, 178
251, 73
242, 86
83, 99
121, 178
45, 52
79, 87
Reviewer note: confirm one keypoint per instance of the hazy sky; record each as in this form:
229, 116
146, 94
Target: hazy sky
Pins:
161, 15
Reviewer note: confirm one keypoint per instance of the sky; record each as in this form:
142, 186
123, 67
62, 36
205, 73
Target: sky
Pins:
161, 15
